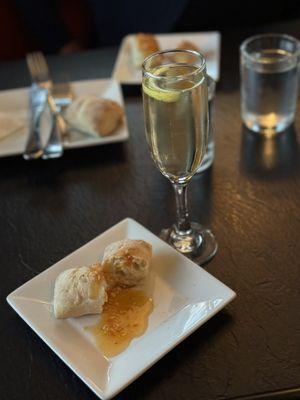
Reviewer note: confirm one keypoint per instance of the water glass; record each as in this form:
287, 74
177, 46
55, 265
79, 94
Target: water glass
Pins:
269, 82
210, 150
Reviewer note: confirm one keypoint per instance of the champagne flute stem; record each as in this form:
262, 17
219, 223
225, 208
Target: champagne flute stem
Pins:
183, 225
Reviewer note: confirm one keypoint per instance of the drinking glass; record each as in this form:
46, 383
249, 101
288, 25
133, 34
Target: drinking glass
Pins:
176, 119
269, 82
210, 150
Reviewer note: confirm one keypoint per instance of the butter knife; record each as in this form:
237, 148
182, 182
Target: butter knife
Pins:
54, 147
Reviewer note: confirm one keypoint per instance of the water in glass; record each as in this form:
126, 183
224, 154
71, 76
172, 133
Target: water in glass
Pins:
269, 90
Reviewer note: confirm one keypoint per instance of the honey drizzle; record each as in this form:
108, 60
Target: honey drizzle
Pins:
124, 317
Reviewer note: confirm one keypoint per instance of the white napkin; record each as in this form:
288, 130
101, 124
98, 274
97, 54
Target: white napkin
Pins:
12, 122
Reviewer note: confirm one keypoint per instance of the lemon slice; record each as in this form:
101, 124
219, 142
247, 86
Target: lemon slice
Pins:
166, 96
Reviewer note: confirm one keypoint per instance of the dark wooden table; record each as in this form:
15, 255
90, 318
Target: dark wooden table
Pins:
250, 198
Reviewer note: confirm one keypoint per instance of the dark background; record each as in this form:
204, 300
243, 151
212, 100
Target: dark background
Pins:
66, 26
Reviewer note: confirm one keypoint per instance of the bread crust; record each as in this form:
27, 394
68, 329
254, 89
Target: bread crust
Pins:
79, 291
187, 45
99, 117
184, 57
126, 262
141, 46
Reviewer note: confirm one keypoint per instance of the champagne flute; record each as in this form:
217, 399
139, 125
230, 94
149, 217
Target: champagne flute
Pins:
176, 119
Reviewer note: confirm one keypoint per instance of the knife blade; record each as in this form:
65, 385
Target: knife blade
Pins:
54, 147
37, 103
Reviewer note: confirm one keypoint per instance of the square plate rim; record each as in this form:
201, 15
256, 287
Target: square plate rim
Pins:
108, 394
162, 35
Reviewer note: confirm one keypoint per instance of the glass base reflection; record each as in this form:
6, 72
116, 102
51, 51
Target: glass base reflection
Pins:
200, 246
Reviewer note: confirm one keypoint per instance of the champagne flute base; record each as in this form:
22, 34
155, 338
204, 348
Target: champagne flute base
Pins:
200, 245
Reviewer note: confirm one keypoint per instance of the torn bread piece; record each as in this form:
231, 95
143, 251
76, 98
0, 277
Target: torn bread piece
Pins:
141, 46
99, 117
187, 45
185, 57
79, 291
126, 263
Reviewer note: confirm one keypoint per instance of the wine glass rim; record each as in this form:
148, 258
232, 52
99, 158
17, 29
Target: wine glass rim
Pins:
199, 68
246, 42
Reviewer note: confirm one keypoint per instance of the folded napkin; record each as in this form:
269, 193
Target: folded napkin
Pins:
12, 122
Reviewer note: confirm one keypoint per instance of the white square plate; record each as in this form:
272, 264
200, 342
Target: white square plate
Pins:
208, 43
15, 102
184, 295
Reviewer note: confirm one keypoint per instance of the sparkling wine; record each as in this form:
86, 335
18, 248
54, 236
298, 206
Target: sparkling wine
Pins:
176, 118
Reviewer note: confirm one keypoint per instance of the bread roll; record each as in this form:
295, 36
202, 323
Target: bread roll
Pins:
79, 291
96, 116
185, 57
126, 262
141, 46
187, 45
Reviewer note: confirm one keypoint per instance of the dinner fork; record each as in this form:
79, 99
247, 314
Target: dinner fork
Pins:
39, 71
37, 101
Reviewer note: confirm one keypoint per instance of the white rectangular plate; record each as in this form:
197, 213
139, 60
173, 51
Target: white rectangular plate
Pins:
16, 101
208, 43
184, 295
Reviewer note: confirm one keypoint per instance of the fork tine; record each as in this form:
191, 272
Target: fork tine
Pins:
41, 61
37, 65
31, 64
37, 62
